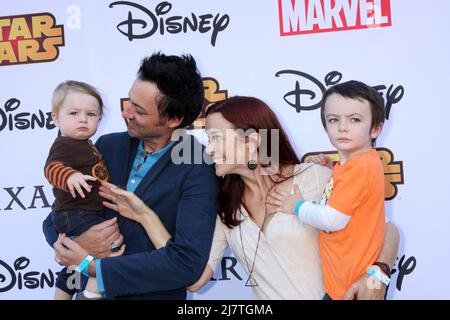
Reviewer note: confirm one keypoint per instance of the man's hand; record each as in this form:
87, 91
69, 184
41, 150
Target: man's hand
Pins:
77, 181
366, 288
99, 238
70, 253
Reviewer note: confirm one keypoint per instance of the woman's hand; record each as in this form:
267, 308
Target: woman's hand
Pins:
131, 207
281, 201
70, 253
122, 201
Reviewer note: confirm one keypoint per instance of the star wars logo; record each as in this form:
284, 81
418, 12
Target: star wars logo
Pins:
29, 38
393, 170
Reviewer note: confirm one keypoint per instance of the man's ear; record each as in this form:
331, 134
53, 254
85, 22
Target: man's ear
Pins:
55, 119
375, 132
175, 122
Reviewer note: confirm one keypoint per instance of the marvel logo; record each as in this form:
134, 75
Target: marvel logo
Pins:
314, 16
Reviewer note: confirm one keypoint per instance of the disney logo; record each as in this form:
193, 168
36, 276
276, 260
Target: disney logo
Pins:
308, 91
405, 267
174, 24
11, 276
23, 120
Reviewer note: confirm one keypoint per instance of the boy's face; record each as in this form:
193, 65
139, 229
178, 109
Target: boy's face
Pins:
78, 116
348, 124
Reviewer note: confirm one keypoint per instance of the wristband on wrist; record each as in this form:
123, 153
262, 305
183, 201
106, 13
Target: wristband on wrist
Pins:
84, 264
297, 206
384, 267
377, 274
91, 269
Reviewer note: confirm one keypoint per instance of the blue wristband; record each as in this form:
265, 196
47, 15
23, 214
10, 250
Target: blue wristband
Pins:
84, 264
377, 274
85, 272
297, 207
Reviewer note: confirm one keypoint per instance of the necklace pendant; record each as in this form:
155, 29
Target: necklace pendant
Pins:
251, 282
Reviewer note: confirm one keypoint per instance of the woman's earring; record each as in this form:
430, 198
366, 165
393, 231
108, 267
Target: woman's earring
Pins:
251, 164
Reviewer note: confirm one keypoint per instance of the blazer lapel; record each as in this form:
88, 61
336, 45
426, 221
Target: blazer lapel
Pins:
125, 167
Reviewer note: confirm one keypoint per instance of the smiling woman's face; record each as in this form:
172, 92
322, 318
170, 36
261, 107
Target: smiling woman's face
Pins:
227, 149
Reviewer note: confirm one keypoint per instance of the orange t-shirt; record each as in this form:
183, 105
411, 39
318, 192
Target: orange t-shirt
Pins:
356, 188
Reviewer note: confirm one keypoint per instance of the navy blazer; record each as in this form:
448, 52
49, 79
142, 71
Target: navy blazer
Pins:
184, 196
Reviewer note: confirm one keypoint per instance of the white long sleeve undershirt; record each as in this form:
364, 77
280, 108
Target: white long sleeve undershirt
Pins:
324, 218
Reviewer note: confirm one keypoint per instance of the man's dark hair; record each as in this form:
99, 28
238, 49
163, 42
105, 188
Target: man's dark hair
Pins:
178, 78
358, 90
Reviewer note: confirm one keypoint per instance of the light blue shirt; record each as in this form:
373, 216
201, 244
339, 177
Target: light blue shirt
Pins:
143, 163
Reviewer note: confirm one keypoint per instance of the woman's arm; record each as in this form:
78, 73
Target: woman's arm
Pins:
155, 229
207, 274
130, 206
218, 246
389, 250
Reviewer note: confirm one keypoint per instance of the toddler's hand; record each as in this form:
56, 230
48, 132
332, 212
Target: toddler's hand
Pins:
77, 181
